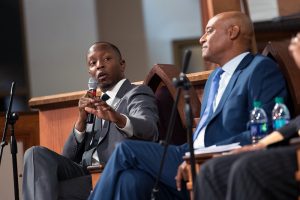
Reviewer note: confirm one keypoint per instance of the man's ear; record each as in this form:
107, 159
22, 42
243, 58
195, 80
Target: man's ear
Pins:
234, 32
123, 65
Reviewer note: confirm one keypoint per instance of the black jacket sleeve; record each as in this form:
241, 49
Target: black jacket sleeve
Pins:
291, 129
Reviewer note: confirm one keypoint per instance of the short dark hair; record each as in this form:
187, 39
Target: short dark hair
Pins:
114, 47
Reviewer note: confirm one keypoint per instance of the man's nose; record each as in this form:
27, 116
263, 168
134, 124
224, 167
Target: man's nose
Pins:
202, 39
100, 64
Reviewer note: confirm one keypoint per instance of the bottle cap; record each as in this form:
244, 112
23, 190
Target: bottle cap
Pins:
256, 104
278, 100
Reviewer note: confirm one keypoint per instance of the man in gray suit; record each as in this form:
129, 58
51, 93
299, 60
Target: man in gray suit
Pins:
129, 112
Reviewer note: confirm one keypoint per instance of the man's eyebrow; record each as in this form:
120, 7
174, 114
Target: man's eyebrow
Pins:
209, 27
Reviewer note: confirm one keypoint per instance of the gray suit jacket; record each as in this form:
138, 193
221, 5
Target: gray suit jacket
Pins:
139, 105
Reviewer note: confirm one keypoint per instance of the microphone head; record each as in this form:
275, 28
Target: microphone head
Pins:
92, 84
186, 60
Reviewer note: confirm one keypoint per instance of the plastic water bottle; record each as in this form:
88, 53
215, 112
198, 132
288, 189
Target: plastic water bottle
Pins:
280, 114
258, 122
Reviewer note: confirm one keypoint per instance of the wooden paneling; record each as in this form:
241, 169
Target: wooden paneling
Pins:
288, 7
26, 129
55, 127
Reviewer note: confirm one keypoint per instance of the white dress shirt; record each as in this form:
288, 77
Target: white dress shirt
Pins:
229, 69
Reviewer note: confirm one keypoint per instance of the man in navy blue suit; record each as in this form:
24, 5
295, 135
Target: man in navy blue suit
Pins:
228, 96
263, 173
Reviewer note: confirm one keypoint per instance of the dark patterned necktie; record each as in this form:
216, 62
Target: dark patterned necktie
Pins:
87, 155
105, 97
96, 135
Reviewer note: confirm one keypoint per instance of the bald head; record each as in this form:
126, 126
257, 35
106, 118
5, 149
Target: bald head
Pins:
227, 35
241, 20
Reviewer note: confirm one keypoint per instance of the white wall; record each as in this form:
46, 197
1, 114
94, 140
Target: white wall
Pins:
166, 21
263, 10
122, 23
58, 33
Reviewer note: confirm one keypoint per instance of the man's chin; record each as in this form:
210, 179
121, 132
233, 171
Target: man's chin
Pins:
205, 58
204, 55
104, 86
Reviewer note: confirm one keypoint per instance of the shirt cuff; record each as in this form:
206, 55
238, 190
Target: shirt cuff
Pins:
79, 135
128, 129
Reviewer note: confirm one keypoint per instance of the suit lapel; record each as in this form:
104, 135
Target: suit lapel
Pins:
104, 131
243, 64
122, 91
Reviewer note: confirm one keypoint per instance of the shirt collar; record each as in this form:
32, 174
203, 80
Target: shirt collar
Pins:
113, 92
232, 64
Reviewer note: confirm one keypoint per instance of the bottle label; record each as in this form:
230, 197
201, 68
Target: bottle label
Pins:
278, 123
258, 131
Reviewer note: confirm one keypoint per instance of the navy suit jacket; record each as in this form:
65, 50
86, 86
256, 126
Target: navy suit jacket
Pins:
256, 78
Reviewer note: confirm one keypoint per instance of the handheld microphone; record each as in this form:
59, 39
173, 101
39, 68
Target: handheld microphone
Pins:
92, 85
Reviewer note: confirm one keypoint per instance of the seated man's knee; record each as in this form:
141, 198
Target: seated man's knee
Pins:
34, 152
31, 151
244, 165
134, 184
135, 181
208, 168
125, 146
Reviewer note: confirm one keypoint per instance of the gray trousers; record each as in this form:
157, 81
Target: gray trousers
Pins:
50, 176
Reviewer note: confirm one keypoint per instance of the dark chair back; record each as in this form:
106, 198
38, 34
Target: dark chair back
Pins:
279, 52
159, 80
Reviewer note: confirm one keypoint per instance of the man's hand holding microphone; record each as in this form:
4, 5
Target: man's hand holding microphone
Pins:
90, 106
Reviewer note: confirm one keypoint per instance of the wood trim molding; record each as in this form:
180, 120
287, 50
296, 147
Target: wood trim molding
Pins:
70, 99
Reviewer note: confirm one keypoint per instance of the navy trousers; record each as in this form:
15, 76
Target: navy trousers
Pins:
132, 169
